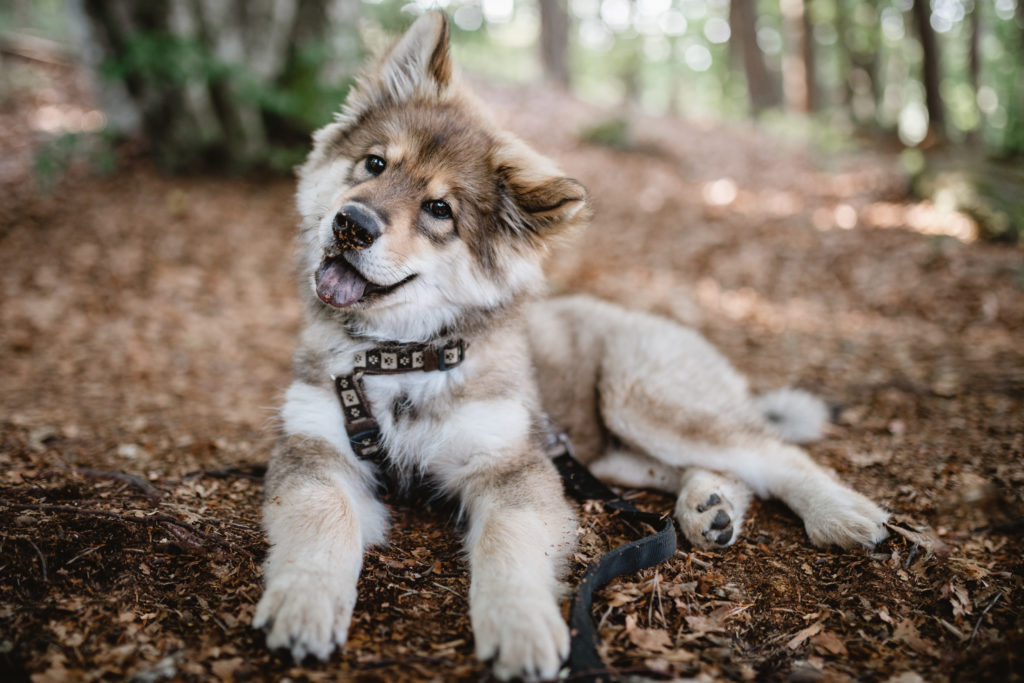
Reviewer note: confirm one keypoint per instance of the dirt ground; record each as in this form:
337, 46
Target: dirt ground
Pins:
146, 325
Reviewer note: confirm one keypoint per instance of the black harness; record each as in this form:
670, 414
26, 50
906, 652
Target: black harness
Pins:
365, 436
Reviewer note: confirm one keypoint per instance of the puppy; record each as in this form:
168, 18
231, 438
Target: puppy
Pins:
425, 357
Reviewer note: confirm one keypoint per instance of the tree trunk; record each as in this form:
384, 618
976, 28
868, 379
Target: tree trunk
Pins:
762, 88
554, 42
809, 58
798, 82
211, 81
973, 56
930, 69
846, 58
973, 20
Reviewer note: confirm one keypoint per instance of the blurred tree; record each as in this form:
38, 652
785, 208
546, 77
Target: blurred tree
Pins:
762, 88
554, 41
798, 63
810, 61
228, 82
930, 75
973, 19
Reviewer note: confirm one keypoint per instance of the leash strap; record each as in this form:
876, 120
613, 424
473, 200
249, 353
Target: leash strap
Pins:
584, 662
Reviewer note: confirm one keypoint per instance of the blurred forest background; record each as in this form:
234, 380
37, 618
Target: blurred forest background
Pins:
240, 84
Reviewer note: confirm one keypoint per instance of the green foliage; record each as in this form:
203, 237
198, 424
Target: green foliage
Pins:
162, 59
54, 156
291, 107
613, 132
988, 191
300, 96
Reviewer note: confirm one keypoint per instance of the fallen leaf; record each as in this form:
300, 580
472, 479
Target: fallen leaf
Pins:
804, 634
700, 624
56, 674
829, 642
920, 534
868, 459
906, 677
620, 598
959, 599
651, 639
907, 632
225, 669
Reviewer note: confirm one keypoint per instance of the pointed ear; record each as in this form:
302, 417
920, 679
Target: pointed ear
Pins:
543, 199
420, 58
419, 63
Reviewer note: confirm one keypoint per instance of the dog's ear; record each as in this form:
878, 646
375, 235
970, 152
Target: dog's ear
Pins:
541, 200
418, 64
420, 58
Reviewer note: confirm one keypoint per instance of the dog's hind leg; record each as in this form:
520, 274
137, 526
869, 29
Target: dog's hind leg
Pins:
710, 508
832, 513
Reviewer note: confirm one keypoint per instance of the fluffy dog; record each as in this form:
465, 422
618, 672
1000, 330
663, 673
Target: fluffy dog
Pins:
423, 357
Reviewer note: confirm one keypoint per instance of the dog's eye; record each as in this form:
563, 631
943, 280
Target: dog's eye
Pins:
438, 208
375, 165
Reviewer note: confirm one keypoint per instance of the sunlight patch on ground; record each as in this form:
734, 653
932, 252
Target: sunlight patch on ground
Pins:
51, 118
921, 217
804, 316
721, 192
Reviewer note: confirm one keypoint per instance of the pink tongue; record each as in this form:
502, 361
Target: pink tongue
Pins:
338, 283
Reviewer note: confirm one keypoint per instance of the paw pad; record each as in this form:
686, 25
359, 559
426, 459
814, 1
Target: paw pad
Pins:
721, 521
713, 500
708, 519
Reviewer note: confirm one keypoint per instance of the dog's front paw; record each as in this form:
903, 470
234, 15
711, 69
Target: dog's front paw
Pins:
525, 637
306, 613
843, 517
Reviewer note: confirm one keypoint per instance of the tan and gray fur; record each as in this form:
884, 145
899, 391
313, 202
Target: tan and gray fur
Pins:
422, 222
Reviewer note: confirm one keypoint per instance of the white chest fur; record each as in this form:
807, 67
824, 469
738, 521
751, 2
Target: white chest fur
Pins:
429, 424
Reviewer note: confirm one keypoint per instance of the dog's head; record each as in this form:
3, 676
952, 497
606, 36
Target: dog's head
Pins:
416, 209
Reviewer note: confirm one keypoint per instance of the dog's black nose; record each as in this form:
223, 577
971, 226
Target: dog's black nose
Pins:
356, 227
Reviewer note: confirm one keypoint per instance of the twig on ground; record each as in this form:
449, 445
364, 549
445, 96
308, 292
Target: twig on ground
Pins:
42, 560
253, 472
912, 554
392, 661
446, 588
130, 479
982, 617
150, 520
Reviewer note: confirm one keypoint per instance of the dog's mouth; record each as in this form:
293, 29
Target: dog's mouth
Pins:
339, 284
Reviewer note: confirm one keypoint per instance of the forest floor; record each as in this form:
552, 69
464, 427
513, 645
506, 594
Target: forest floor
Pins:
146, 325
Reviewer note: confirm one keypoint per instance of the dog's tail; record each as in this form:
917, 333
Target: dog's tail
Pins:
798, 415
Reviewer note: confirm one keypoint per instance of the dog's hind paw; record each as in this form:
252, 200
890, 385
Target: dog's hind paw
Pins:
845, 518
305, 613
523, 637
711, 508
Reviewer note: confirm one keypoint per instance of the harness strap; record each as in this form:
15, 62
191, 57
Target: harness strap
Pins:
584, 662
391, 359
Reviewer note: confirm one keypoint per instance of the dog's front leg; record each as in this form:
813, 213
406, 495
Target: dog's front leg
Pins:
319, 515
520, 533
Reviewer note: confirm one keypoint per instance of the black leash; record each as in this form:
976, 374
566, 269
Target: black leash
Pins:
584, 662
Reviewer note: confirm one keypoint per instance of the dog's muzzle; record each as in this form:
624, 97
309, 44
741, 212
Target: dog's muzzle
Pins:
338, 282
